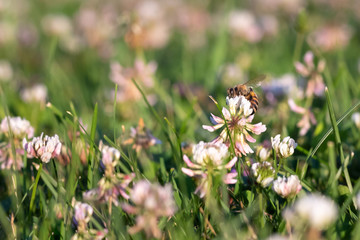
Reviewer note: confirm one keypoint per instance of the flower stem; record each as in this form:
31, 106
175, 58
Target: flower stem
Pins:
35, 187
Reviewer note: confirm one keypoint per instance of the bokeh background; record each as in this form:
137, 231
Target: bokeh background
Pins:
73, 53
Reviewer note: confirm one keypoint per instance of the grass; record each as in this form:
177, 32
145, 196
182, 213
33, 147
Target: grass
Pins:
83, 108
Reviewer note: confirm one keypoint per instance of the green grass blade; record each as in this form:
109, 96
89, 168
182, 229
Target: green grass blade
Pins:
92, 153
328, 132
156, 115
337, 138
114, 109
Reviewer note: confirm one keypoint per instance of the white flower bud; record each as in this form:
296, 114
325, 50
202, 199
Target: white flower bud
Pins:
316, 210
20, 128
285, 148
356, 118
210, 153
287, 187
263, 172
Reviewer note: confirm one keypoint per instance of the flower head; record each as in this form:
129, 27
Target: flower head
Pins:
19, 127
142, 72
356, 118
263, 153
37, 93
316, 210
141, 137
112, 184
263, 172
110, 156
312, 73
109, 188
287, 187
332, 36
284, 148
238, 119
6, 71
8, 160
209, 158
358, 201
150, 201
44, 149
307, 119
82, 215
243, 24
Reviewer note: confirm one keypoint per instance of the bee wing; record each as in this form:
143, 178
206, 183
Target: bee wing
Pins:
256, 82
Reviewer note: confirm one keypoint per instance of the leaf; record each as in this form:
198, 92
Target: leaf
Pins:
343, 190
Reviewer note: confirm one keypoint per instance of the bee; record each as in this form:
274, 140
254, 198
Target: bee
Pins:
247, 92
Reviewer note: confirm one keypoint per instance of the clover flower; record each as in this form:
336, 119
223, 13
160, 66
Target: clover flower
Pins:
287, 187
82, 216
284, 148
332, 36
312, 73
307, 119
141, 72
316, 210
150, 202
6, 71
243, 24
263, 153
141, 137
8, 160
20, 127
43, 149
37, 93
209, 158
57, 25
149, 30
356, 119
358, 201
263, 172
110, 188
112, 184
110, 156
238, 119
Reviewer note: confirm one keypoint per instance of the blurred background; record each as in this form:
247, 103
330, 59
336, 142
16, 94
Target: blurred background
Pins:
179, 52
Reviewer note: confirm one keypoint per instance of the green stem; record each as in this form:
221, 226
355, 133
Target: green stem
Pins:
35, 187
298, 46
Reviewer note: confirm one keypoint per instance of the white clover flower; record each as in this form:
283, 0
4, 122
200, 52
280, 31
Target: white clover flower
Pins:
263, 153
151, 201
316, 210
210, 153
6, 71
44, 149
284, 148
113, 183
20, 128
110, 155
238, 119
287, 187
263, 172
356, 118
83, 212
57, 25
358, 201
209, 157
243, 24
37, 93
